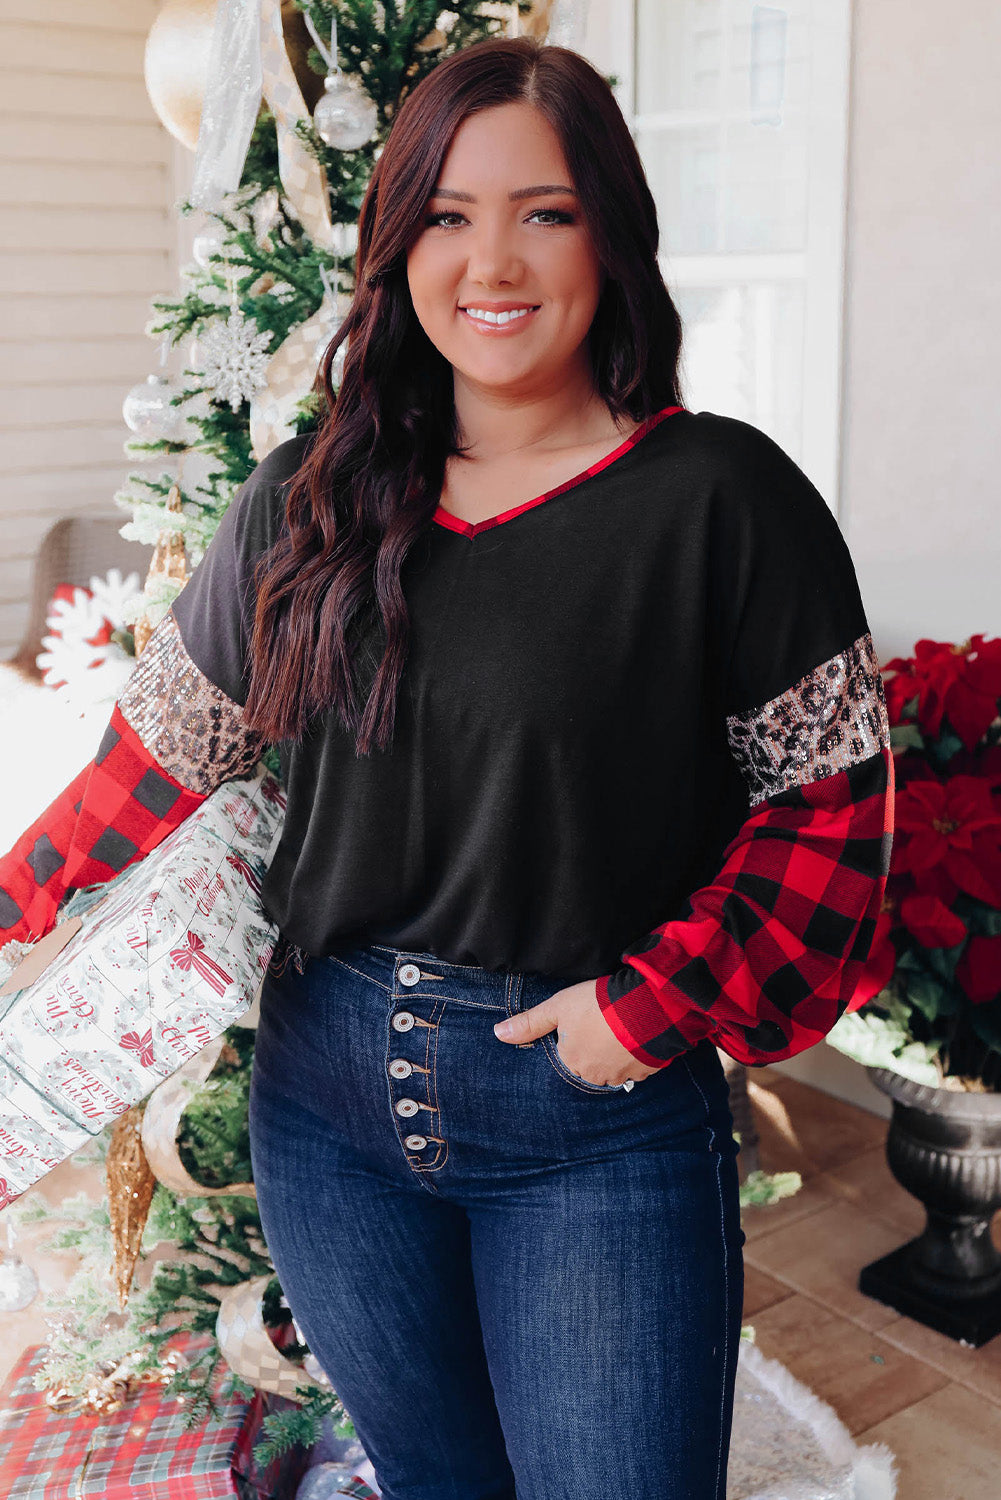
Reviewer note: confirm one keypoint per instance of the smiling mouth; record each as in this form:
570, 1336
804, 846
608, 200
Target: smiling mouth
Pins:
498, 322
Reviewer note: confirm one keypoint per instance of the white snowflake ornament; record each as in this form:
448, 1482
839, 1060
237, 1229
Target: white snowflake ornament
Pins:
113, 595
233, 358
75, 619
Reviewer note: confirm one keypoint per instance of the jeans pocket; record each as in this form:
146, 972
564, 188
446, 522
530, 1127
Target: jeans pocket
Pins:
551, 1048
530, 990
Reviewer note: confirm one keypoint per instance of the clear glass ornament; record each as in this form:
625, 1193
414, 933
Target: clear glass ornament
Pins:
210, 242
18, 1282
315, 1370
345, 116
148, 412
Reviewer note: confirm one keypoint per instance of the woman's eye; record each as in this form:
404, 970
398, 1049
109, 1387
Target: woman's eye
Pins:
551, 215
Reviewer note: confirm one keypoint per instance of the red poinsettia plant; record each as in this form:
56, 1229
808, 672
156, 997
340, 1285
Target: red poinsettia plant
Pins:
937, 953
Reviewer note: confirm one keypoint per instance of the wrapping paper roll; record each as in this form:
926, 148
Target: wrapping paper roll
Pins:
153, 972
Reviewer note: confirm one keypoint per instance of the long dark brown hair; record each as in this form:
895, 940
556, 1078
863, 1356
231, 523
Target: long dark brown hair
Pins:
372, 477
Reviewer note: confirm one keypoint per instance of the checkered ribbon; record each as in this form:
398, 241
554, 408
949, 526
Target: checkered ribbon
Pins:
301, 174
288, 378
248, 1349
292, 368
162, 1118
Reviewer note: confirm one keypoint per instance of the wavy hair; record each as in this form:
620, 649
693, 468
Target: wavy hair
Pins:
328, 593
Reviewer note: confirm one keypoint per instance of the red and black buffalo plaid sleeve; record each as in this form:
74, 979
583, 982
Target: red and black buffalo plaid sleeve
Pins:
172, 738
766, 957
773, 951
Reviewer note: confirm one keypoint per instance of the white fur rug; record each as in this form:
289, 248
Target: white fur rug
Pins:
787, 1444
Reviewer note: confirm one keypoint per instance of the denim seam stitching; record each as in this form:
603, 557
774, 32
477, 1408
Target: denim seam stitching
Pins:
332, 958
726, 1263
432, 1078
562, 1071
437, 995
404, 953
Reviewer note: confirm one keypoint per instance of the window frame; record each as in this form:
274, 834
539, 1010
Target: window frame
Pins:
612, 40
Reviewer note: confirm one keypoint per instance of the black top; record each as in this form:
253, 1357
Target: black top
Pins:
561, 776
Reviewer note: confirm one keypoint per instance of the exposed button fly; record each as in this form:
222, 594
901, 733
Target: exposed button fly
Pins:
409, 974
400, 1068
407, 1107
415, 1142
403, 1021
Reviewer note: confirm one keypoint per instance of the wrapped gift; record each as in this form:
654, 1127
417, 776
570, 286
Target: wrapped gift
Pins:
143, 1449
163, 963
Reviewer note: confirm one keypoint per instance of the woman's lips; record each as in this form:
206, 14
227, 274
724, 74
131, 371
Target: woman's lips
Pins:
498, 330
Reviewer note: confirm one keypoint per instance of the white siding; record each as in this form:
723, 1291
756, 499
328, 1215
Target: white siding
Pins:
86, 239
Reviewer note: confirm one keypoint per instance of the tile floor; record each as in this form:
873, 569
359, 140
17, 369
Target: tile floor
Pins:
936, 1404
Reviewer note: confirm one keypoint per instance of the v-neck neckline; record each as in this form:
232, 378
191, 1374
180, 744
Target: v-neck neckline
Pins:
471, 529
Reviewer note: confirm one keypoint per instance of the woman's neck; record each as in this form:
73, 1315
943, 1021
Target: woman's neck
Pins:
492, 425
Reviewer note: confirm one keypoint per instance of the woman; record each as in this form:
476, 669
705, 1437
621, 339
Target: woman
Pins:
583, 733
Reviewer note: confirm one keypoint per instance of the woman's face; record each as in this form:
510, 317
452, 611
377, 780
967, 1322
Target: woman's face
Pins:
504, 232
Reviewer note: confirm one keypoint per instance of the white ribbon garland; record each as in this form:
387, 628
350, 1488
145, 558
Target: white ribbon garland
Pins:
232, 100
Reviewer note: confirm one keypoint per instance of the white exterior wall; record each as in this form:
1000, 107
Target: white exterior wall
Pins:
86, 238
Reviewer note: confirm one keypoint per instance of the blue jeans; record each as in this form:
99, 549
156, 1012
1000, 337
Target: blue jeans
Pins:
522, 1286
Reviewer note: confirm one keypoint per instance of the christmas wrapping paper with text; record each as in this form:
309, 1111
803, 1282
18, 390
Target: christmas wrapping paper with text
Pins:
165, 962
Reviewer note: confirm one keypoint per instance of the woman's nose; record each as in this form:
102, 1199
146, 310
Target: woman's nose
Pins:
492, 257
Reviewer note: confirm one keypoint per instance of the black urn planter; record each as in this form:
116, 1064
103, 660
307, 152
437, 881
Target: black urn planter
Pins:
944, 1147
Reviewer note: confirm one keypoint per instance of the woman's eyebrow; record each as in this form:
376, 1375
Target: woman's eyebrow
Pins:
529, 192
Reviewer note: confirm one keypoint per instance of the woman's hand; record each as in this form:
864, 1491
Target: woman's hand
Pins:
586, 1042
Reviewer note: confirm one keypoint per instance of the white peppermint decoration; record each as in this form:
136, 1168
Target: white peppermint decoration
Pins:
234, 358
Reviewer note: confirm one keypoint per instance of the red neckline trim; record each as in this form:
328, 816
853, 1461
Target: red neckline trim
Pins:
473, 528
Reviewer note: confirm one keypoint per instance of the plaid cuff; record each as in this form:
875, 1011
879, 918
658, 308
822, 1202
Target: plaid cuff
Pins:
116, 810
768, 957
775, 949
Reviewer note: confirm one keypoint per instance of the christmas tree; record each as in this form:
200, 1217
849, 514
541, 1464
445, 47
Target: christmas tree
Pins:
281, 170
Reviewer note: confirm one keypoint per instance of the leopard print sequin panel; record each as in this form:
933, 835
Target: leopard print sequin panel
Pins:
195, 732
830, 719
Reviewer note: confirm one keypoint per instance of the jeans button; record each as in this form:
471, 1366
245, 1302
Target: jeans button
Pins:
407, 1107
409, 974
403, 1021
415, 1142
400, 1068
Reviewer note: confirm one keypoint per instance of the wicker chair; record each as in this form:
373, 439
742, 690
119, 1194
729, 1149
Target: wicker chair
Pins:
74, 550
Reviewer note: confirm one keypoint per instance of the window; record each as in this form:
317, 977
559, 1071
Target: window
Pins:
740, 112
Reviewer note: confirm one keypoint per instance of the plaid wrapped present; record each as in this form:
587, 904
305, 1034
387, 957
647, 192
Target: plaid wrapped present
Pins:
142, 1449
168, 957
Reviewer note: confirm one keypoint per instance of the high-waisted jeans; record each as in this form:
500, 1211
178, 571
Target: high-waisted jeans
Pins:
522, 1286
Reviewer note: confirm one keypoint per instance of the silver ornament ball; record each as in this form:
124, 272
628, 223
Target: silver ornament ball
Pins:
18, 1286
345, 116
147, 410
